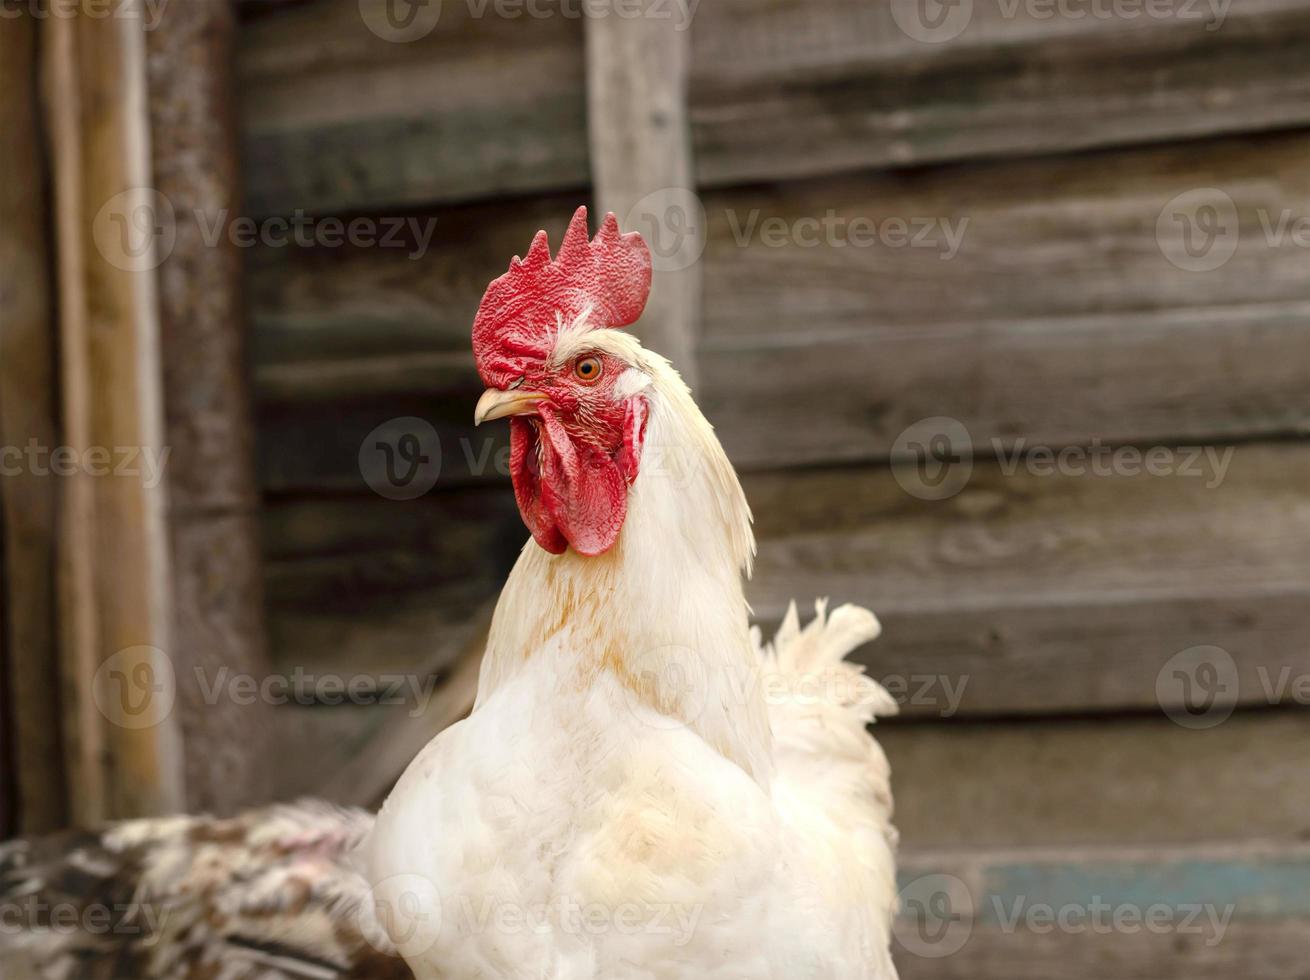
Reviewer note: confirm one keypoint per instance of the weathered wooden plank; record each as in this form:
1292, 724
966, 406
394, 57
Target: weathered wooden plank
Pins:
345, 110
353, 322
1260, 950
313, 449
353, 752
212, 512
798, 88
340, 117
116, 601
642, 166
368, 586
1207, 911
1042, 592
963, 785
27, 412
1058, 318
367, 776
8, 778
1026, 593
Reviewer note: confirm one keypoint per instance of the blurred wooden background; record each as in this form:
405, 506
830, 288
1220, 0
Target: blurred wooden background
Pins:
1052, 604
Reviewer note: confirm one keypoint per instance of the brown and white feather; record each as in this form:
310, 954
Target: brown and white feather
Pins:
269, 894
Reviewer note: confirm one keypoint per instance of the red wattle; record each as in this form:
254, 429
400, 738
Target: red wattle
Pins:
525, 471
570, 494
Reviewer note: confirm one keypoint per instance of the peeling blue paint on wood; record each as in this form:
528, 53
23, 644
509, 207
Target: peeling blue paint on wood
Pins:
1267, 887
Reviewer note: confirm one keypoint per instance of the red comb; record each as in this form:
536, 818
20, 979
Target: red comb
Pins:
608, 275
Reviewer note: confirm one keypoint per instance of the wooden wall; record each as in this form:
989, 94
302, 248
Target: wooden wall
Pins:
1060, 151
121, 341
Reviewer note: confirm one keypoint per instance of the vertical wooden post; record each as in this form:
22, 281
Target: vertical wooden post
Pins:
213, 500
8, 760
116, 583
27, 418
641, 159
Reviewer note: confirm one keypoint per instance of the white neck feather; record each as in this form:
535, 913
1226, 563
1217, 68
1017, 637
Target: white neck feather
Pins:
663, 612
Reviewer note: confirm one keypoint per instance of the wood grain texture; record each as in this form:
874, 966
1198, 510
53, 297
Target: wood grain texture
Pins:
369, 586
27, 412
1070, 782
1039, 592
481, 106
213, 502
352, 754
340, 117
1262, 950
1057, 319
1026, 593
1216, 911
368, 776
8, 793
116, 598
331, 348
797, 88
642, 166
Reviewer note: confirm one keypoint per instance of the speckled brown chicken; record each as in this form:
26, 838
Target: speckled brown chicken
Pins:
269, 895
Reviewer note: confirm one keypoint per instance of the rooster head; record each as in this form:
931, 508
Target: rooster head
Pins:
544, 346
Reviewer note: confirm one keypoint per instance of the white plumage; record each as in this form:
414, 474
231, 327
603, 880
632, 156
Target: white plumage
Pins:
642, 791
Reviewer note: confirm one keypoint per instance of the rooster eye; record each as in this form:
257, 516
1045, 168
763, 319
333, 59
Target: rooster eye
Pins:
588, 370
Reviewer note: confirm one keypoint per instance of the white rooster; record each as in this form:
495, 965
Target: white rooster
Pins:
641, 791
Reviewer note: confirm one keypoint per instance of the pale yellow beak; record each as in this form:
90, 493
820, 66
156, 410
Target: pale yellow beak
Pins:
497, 404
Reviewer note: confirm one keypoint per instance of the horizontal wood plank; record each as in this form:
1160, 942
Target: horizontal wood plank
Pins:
343, 111
1203, 911
1058, 319
798, 88
352, 754
1041, 592
966, 785
1029, 592
476, 104
369, 586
